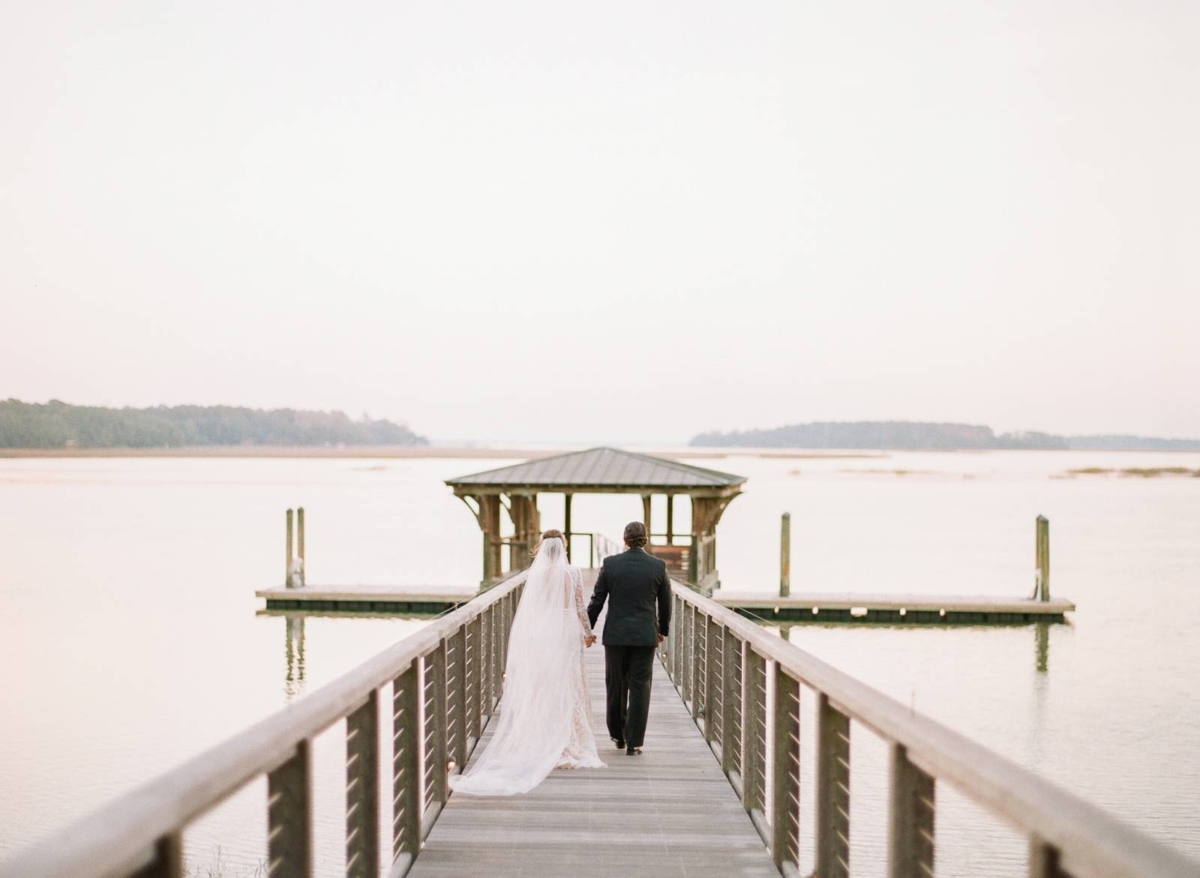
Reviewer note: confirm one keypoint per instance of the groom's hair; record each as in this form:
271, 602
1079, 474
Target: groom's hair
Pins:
635, 535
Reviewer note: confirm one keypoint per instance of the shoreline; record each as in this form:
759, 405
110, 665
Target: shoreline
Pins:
417, 452
384, 452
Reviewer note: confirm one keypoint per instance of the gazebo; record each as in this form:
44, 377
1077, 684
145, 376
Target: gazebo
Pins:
600, 471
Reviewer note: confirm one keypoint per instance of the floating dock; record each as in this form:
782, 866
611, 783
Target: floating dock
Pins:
429, 600
892, 609
897, 609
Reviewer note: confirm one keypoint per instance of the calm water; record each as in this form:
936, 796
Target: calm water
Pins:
129, 637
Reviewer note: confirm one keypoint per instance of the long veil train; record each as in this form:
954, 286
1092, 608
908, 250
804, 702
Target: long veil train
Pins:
544, 717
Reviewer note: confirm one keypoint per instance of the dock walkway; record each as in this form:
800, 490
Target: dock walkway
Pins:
668, 812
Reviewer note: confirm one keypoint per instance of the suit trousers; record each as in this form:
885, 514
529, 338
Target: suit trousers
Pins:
628, 672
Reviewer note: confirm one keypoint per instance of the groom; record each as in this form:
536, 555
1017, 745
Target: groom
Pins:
635, 583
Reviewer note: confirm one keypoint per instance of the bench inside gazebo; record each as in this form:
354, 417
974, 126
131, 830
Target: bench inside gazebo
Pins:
689, 556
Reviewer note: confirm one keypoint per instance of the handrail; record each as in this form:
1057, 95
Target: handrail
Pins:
719, 662
445, 683
605, 547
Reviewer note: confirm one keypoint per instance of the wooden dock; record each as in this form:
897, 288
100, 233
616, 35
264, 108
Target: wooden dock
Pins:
897, 609
668, 812
893, 609
429, 600
716, 792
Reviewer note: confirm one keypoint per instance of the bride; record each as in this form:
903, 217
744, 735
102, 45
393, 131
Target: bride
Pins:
545, 715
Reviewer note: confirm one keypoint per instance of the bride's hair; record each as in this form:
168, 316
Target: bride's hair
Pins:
548, 535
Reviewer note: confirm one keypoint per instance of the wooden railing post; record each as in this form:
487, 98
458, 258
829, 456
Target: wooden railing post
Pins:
731, 700
407, 774
505, 624
754, 731
689, 654
457, 682
168, 858
362, 790
712, 681
785, 770
1045, 861
699, 653
438, 749
289, 816
497, 653
676, 645
833, 790
488, 686
474, 667
911, 821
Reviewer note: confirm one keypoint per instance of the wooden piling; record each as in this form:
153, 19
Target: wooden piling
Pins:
287, 568
300, 542
1043, 557
785, 555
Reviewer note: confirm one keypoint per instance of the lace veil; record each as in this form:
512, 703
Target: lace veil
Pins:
543, 682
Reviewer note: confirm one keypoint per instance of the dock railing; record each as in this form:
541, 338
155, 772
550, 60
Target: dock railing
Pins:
720, 662
443, 681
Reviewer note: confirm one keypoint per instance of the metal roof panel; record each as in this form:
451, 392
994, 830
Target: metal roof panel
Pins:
608, 467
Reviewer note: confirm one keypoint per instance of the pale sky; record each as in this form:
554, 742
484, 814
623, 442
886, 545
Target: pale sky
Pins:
607, 222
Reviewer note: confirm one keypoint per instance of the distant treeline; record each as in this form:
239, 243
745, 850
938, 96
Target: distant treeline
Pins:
913, 435
59, 425
1131, 443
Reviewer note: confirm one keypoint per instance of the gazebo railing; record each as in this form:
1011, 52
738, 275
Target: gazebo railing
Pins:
743, 684
443, 683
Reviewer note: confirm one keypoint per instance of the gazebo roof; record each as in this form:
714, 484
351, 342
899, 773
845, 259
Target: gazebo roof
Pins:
601, 470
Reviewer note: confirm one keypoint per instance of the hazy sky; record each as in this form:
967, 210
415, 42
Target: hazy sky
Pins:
612, 221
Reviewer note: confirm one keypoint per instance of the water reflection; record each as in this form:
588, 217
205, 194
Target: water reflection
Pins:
1042, 636
294, 649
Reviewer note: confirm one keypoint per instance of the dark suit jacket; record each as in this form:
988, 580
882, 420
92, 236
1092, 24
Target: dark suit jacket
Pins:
635, 582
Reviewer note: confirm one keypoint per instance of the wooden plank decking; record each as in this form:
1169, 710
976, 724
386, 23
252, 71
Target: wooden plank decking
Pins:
668, 813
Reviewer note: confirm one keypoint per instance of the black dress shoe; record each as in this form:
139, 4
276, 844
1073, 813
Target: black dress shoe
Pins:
633, 751
620, 742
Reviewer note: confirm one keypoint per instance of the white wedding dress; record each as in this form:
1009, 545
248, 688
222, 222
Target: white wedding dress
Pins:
545, 717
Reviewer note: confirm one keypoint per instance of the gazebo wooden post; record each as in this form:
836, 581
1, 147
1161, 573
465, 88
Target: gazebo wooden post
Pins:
522, 508
646, 516
533, 527
516, 511
535, 518
489, 523
670, 519
567, 523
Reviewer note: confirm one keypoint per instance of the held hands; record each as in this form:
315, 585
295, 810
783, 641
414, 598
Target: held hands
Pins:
588, 640
661, 638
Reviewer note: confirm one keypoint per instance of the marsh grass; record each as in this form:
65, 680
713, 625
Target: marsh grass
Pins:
1155, 472
1152, 472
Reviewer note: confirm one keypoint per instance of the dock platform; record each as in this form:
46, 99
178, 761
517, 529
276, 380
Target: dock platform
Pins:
430, 600
897, 609
892, 609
